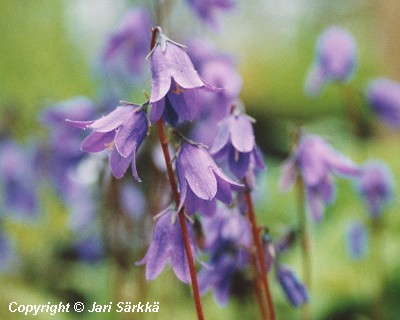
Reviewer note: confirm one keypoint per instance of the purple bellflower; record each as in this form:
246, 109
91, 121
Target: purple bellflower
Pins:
383, 96
129, 43
316, 161
7, 254
121, 132
228, 241
18, 182
335, 60
294, 290
167, 243
205, 9
376, 186
357, 240
235, 142
201, 181
175, 82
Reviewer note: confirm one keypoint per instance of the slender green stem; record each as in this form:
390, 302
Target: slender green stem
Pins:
304, 243
182, 219
260, 254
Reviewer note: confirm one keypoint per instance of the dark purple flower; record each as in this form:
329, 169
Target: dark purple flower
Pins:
356, 240
167, 243
316, 161
121, 132
205, 9
376, 185
235, 141
90, 249
228, 242
201, 181
18, 182
384, 98
175, 82
335, 60
130, 42
294, 290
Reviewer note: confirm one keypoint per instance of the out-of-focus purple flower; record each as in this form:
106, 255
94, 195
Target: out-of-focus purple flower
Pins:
130, 42
228, 241
201, 180
18, 182
376, 185
286, 240
205, 9
62, 154
89, 249
316, 161
335, 60
356, 240
121, 132
132, 200
167, 243
7, 255
175, 82
383, 96
235, 142
294, 289
269, 251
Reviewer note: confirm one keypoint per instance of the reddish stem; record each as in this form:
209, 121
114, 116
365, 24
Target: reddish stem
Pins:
258, 288
257, 243
182, 219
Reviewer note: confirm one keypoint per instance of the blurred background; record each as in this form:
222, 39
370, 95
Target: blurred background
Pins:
51, 51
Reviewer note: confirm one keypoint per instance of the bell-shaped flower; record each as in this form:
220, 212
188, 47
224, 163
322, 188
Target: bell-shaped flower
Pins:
294, 289
201, 181
205, 9
121, 132
383, 96
167, 243
357, 239
228, 242
317, 162
376, 186
175, 82
335, 59
235, 142
128, 45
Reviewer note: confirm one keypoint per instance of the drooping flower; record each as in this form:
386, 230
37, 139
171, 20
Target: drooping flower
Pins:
201, 181
294, 289
130, 42
228, 242
167, 243
356, 240
121, 132
205, 9
317, 162
235, 141
335, 60
376, 186
175, 82
18, 181
383, 96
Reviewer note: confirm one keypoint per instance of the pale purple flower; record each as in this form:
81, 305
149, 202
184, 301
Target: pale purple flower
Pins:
205, 9
132, 200
130, 42
228, 242
18, 182
235, 142
376, 186
357, 239
168, 243
383, 96
201, 181
317, 162
7, 253
121, 132
175, 82
294, 289
335, 60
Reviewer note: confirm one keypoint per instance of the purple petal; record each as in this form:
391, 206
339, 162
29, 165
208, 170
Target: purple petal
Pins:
239, 163
97, 141
184, 104
224, 192
119, 164
241, 130
315, 204
157, 109
178, 255
342, 165
315, 80
113, 120
289, 175
222, 136
294, 290
80, 124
